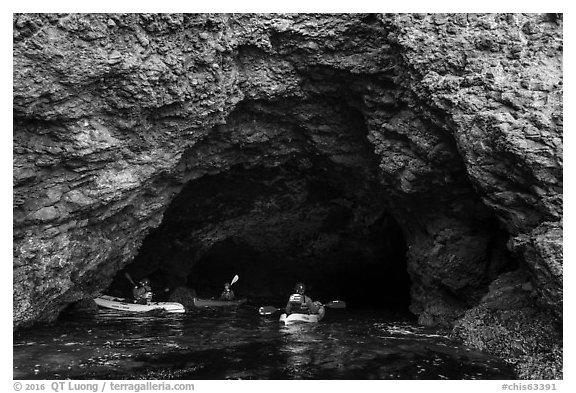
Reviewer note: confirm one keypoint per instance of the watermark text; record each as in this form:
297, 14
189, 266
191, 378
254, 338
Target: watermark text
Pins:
102, 386
528, 386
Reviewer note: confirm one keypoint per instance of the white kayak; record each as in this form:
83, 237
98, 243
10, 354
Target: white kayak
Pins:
118, 303
295, 317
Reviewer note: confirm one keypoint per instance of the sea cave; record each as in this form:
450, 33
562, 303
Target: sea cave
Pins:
402, 161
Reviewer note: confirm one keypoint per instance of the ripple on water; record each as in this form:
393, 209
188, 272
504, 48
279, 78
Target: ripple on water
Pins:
242, 345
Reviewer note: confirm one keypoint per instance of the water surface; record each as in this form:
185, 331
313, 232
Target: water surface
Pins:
240, 344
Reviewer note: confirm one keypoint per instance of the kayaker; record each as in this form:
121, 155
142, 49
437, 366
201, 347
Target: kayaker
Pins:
142, 292
227, 294
300, 303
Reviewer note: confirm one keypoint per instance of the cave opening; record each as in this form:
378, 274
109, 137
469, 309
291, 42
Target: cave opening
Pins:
307, 220
295, 190
375, 277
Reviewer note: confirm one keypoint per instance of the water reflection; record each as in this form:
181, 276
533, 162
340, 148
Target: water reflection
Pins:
297, 349
239, 344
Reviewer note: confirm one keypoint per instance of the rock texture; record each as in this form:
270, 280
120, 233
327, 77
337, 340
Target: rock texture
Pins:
457, 118
507, 324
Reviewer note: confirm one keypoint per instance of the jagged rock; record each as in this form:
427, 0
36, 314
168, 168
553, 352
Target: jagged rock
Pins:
507, 323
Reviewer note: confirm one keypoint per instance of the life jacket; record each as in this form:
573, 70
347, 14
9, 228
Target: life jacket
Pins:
227, 295
298, 303
142, 294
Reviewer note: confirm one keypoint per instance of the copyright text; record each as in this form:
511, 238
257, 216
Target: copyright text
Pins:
102, 386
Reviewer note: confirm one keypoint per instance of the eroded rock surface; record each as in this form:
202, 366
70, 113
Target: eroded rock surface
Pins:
457, 118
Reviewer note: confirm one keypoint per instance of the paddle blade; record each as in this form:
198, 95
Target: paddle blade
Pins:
267, 310
336, 304
234, 279
129, 278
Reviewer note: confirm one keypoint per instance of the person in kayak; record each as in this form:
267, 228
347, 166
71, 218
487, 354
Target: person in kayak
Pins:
142, 292
299, 303
227, 294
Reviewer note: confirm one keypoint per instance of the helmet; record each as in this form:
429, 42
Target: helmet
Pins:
145, 281
300, 288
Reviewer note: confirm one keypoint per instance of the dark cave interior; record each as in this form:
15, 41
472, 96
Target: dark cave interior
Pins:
306, 220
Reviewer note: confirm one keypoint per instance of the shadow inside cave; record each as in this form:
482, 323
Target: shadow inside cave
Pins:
275, 227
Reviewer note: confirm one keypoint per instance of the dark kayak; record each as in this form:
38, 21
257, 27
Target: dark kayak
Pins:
217, 303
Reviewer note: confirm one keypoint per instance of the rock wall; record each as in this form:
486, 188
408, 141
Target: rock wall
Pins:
501, 91
457, 117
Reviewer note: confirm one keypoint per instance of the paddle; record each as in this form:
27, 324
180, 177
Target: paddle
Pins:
234, 280
269, 310
130, 278
335, 304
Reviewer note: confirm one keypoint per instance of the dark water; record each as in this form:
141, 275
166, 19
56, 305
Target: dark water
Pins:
240, 344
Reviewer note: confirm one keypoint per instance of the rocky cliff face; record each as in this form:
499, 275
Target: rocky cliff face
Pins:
451, 125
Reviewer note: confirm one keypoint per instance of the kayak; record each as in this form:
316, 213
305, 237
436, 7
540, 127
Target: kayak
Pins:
295, 317
218, 303
118, 303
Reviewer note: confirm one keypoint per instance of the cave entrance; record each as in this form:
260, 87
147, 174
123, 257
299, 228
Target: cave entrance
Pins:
274, 226
367, 269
